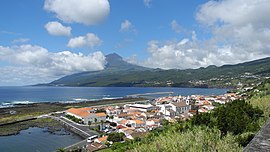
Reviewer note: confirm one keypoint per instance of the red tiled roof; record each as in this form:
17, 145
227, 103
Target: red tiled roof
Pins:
81, 112
100, 114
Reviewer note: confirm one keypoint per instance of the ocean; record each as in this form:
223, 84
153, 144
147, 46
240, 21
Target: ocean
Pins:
25, 95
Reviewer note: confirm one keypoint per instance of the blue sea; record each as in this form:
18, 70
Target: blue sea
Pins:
24, 95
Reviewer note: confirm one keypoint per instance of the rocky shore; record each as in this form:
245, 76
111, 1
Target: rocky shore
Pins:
48, 124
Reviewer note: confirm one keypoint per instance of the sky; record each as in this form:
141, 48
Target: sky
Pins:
43, 40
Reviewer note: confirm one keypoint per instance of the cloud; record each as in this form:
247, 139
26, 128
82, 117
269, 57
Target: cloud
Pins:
89, 40
57, 29
30, 64
147, 3
239, 31
177, 28
126, 26
88, 12
21, 40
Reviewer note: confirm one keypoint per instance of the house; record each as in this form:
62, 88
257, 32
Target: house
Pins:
142, 107
101, 139
79, 113
87, 115
95, 117
202, 110
153, 122
133, 123
208, 107
95, 147
164, 108
170, 113
180, 107
127, 131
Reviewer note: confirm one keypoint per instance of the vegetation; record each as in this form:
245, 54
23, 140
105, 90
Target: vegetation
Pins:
77, 120
236, 117
116, 137
195, 139
120, 73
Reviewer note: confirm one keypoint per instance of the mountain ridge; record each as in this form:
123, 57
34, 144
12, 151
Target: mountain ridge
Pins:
119, 73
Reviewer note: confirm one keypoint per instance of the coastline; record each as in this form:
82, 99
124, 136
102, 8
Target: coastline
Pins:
10, 125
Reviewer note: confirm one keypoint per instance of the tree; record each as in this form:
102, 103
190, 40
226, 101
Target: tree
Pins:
116, 137
95, 120
111, 117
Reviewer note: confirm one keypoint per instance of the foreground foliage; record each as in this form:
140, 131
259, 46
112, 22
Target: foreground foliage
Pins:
236, 117
195, 139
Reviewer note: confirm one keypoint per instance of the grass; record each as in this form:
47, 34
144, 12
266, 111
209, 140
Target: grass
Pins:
264, 104
195, 139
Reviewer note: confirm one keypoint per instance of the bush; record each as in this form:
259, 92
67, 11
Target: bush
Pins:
116, 137
74, 119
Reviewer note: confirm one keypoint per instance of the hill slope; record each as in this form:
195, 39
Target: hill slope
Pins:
120, 73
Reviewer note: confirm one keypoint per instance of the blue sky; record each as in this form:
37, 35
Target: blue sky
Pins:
29, 18
46, 39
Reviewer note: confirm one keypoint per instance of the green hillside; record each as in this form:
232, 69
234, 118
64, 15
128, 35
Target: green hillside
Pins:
120, 73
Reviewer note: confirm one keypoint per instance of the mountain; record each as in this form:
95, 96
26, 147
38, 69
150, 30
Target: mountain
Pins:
115, 65
118, 72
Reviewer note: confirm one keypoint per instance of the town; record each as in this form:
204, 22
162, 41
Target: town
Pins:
134, 120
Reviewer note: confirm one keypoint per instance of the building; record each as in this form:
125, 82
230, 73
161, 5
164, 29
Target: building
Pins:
87, 115
143, 107
101, 139
180, 107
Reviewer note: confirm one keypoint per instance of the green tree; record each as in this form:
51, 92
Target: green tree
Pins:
116, 137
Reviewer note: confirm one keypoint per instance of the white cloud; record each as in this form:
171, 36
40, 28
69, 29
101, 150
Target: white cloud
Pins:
147, 3
176, 27
89, 40
57, 29
88, 12
239, 31
30, 64
21, 40
126, 26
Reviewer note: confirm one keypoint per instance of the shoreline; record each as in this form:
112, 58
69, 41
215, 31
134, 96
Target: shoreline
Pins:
12, 124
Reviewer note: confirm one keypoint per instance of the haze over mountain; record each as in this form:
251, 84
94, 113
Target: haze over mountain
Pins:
118, 72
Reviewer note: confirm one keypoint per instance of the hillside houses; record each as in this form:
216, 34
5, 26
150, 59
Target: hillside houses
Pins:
135, 120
